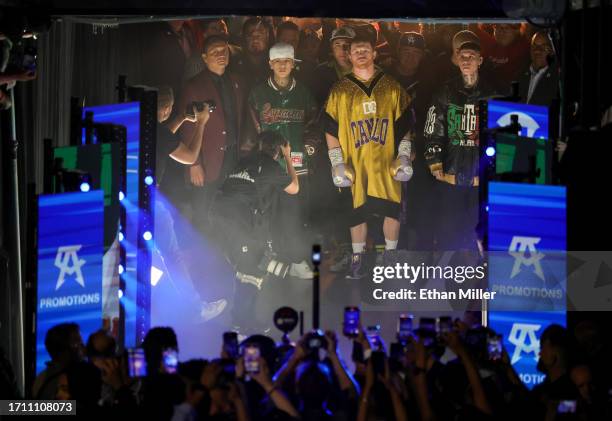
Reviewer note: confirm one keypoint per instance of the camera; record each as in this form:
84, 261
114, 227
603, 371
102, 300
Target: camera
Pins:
22, 56
199, 107
315, 340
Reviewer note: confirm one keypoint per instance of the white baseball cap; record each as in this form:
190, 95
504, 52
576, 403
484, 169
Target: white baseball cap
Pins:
281, 50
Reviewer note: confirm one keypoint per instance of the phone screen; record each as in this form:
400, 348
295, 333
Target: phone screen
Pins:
251, 358
444, 325
351, 322
170, 360
136, 362
373, 334
404, 327
357, 353
378, 362
230, 344
494, 347
427, 323
566, 407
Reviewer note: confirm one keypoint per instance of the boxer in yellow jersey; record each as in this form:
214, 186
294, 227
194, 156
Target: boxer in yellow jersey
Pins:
367, 124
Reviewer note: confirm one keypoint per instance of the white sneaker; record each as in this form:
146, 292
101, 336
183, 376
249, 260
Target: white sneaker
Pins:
213, 309
301, 270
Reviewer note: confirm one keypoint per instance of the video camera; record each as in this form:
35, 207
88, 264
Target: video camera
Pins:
199, 107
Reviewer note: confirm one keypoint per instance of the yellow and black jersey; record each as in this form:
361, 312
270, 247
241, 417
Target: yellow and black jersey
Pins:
369, 118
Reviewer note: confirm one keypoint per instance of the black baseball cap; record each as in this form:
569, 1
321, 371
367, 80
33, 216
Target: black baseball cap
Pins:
213, 39
412, 39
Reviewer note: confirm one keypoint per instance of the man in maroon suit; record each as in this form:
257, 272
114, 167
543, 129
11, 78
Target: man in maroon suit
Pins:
220, 139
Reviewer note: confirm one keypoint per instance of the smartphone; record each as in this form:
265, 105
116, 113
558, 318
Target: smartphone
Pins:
427, 323
228, 374
373, 334
494, 347
404, 327
136, 362
396, 352
251, 358
351, 322
426, 336
170, 360
444, 325
230, 344
566, 407
378, 362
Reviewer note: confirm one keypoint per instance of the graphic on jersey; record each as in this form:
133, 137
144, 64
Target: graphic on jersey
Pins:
462, 125
271, 115
370, 129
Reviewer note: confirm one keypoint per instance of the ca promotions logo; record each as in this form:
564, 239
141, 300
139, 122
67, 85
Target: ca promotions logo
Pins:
526, 278
523, 337
69, 263
524, 251
526, 345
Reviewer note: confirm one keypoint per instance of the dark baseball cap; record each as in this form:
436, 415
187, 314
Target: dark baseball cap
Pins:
412, 39
470, 45
213, 39
345, 32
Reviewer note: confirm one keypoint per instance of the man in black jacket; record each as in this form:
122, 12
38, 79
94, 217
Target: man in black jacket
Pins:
241, 214
452, 151
539, 84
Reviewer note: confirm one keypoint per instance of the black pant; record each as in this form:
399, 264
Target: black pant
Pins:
291, 239
235, 228
418, 211
457, 217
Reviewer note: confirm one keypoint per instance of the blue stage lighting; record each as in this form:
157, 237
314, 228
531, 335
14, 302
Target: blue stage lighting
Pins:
85, 187
120, 269
148, 180
490, 151
121, 236
120, 293
147, 235
121, 196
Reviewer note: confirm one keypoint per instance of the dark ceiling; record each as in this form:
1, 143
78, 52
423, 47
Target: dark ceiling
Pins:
485, 9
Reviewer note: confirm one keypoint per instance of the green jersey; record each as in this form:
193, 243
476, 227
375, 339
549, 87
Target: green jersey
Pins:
286, 110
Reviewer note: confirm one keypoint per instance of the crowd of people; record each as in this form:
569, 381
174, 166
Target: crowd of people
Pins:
274, 130
380, 121
445, 375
